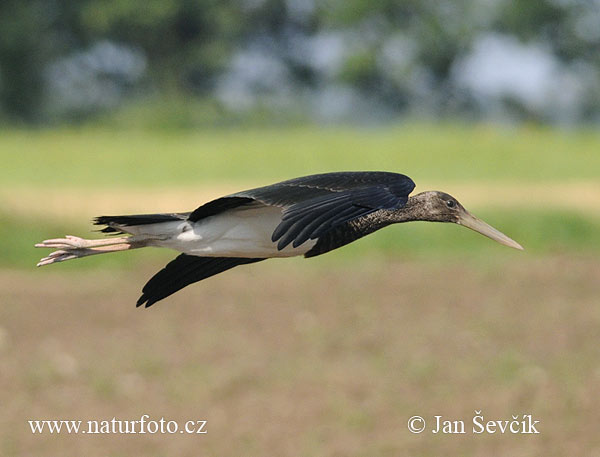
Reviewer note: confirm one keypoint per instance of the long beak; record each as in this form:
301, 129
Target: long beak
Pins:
470, 221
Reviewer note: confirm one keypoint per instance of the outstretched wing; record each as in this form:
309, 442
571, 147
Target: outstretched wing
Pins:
313, 205
183, 271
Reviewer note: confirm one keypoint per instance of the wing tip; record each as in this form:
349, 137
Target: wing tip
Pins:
183, 271
146, 301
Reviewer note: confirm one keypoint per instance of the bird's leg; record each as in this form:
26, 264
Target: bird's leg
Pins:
73, 247
74, 242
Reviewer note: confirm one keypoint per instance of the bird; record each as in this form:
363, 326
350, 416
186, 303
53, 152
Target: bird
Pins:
307, 216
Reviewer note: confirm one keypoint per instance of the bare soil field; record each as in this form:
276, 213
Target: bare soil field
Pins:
288, 358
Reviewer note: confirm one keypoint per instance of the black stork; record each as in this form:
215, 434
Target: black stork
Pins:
306, 216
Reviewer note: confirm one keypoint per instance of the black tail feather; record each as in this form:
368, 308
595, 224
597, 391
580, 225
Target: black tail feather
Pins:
183, 271
136, 219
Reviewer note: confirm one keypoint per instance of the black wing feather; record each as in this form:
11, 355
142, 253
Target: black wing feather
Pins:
313, 205
183, 271
314, 225
218, 206
337, 208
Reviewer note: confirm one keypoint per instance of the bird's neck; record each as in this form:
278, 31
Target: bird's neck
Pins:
417, 208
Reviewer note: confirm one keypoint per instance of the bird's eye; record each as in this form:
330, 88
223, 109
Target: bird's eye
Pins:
450, 203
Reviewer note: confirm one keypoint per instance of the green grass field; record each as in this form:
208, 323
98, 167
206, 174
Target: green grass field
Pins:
541, 232
102, 158
79, 162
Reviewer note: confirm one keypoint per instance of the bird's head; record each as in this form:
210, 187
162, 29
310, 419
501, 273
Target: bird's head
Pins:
438, 206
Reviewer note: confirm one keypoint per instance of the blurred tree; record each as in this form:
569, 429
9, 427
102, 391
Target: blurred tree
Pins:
400, 54
24, 50
187, 42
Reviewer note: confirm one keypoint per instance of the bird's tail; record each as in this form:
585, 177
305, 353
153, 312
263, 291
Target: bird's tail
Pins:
128, 224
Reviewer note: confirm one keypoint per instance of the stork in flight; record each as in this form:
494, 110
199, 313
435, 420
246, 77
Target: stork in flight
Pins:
306, 216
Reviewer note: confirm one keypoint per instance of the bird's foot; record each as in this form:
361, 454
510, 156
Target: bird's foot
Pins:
68, 242
73, 247
62, 255
67, 248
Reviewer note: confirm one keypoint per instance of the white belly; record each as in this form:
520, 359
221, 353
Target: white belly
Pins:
242, 232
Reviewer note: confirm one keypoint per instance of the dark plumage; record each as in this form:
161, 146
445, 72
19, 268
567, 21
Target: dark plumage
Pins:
183, 271
314, 204
304, 216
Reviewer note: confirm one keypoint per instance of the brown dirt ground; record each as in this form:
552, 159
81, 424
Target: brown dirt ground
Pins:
287, 358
